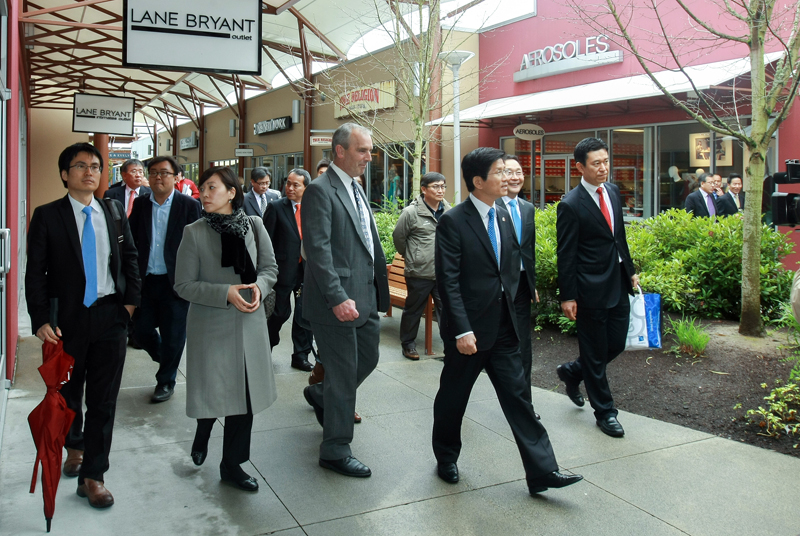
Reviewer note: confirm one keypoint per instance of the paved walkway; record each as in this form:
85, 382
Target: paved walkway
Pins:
660, 479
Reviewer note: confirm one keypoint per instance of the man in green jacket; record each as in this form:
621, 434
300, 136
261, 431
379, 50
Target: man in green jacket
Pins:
415, 239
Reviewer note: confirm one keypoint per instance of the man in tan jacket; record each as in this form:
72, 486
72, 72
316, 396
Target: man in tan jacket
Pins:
415, 239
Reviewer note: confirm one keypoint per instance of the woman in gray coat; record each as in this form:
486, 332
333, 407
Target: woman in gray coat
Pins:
225, 268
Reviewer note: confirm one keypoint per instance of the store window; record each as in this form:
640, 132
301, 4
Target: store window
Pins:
192, 172
390, 175
279, 166
631, 170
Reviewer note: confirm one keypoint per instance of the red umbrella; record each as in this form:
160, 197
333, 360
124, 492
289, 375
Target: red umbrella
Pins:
50, 422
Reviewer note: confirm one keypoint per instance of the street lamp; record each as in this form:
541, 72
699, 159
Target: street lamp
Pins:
454, 59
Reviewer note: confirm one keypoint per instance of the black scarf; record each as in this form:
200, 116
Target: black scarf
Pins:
232, 229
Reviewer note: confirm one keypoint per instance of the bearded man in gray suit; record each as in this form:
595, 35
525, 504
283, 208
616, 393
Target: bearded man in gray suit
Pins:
344, 288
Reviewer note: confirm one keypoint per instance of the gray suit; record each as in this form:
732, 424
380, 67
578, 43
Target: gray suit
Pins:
339, 267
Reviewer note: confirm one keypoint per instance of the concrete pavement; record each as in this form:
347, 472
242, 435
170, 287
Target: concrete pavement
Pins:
660, 479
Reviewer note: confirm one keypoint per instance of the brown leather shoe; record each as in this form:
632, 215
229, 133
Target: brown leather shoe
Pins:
317, 374
357, 418
73, 464
96, 492
411, 353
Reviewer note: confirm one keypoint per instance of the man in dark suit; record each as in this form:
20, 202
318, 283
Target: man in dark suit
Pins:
345, 286
477, 271
702, 202
82, 285
259, 196
732, 202
523, 216
283, 223
157, 222
595, 275
131, 186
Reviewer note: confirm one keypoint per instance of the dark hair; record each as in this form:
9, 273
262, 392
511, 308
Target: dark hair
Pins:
513, 157
68, 154
128, 163
182, 169
303, 173
430, 178
478, 163
259, 173
343, 133
323, 163
169, 159
229, 180
586, 146
734, 176
704, 177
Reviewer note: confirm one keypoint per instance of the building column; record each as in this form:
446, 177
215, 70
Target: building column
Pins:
101, 143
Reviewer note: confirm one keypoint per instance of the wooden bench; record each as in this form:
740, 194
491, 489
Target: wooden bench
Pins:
398, 292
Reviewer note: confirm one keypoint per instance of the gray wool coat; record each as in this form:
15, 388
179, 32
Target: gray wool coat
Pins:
221, 341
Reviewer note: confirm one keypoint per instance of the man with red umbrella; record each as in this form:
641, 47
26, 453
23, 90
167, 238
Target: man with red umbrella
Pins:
81, 257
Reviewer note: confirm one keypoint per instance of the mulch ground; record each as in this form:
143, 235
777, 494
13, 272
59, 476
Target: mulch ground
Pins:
700, 393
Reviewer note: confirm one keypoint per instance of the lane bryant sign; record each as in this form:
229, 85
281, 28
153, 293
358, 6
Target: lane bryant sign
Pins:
193, 35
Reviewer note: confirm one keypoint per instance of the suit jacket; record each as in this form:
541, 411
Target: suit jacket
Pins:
588, 253
528, 244
696, 204
184, 210
251, 207
282, 229
338, 264
55, 265
467, 275
727, 206
118, 193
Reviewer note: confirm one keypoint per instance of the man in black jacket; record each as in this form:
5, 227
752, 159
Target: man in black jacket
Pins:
82, 286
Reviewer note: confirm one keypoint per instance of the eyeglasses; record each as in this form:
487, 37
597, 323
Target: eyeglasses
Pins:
503, 173
82, 167
437, 187
517, 173
162, 174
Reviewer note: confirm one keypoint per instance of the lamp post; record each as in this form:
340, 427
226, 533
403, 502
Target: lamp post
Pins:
454, 59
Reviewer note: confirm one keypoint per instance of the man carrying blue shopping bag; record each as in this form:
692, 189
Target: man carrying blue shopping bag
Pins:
644, 329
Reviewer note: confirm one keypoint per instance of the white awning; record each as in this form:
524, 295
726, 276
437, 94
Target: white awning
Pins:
621, 89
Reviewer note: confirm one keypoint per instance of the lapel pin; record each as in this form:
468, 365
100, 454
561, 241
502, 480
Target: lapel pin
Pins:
503, 218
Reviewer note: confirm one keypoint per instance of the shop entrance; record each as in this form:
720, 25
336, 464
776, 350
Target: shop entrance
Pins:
559, 175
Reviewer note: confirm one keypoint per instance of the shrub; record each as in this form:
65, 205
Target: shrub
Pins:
692, 338
385, 221
781, 414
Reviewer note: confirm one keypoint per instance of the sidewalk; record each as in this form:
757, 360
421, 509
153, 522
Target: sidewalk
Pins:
660, 479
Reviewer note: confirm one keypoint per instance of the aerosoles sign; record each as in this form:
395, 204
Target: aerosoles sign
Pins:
567, 57
193, 35
529, 131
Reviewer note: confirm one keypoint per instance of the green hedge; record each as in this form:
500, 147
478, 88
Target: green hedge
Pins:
694, 263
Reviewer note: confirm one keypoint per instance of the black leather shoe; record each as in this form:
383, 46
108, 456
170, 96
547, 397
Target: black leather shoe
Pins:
302, 364
448, 472
162, 393
319, 411
238, 477
573, 387
346, 466
199, 456
551, 480
611, 426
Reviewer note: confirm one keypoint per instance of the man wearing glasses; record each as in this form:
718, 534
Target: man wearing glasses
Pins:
157, 222
132, 172
82, 285
415, 239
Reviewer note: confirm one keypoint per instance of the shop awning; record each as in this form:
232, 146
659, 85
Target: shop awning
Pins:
705, 77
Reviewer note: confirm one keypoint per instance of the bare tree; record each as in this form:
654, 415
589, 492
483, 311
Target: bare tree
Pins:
661, 40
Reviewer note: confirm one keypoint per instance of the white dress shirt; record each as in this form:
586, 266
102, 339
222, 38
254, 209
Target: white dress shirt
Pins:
593, 192
105, 283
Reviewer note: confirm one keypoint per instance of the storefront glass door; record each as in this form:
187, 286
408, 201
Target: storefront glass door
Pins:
559, 176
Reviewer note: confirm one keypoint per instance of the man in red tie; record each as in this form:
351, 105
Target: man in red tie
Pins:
130, 187
595, 275
282, 220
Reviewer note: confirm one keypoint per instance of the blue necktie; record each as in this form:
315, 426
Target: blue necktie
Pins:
492, 236
516, 219
89, 248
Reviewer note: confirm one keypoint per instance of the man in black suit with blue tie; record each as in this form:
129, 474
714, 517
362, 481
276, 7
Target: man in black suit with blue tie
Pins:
595, 276
82, 285
157, 222
477, 271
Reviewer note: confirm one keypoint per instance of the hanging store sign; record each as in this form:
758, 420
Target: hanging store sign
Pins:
567, 57
321, 140
193, 35
241, 153
273, 125
366, 99
189, 142
529, 132
102, 115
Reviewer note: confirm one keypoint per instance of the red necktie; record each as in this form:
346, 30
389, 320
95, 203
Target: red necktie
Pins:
299, 225
131, 197
604, 208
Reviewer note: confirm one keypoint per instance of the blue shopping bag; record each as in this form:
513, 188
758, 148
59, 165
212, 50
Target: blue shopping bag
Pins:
644, 326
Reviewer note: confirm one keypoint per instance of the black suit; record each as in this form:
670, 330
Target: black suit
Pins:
527, 284
251, 206
118, 193
727, 206
478, 296
279, 220
161, 307
595, 270
696, 204
94, 336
